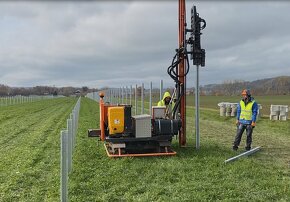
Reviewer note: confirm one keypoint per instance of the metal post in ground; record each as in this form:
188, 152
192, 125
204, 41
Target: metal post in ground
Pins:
73, 117
119, 95
64, 166
136, 107
130, 94
197, 108
161, 90
113, 96
70, 144
122, 102
150, 99
110, 98
126, 94
142, 99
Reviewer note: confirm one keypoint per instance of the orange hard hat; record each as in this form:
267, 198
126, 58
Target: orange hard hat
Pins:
246, 92
102, 94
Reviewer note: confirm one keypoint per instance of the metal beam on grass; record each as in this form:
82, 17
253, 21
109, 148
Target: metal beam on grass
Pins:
247, 153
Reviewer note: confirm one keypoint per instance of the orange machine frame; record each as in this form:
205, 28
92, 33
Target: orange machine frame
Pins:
181, 71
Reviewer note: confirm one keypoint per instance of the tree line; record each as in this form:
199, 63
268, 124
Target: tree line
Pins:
43, 90
271, 86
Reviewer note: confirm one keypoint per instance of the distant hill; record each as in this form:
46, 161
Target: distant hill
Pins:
270, 86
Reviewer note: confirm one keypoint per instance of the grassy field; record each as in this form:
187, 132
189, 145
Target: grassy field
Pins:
29, 153
30, 148
191, 175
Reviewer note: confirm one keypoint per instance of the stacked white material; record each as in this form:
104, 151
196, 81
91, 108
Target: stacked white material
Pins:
222, 106
234, 109
274, 112
279, 112
284, 109
230, 109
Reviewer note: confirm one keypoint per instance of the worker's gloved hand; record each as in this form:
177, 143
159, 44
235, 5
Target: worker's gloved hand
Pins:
237, 122
253, 124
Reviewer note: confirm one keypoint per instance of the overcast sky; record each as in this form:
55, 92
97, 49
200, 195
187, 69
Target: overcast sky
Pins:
119, 43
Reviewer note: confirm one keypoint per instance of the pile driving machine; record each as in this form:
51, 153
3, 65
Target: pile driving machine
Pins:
143, 135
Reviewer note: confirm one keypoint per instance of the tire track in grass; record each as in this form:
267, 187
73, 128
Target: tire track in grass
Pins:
41, 152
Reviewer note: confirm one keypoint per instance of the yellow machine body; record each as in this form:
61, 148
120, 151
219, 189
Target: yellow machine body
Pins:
116, 120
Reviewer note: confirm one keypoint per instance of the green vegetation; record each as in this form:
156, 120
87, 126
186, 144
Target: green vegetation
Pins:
191, 175
30, 149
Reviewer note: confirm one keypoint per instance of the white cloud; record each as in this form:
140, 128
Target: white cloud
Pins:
122, 43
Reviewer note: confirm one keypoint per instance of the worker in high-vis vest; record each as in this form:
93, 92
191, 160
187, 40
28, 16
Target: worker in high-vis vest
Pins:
166, 101
246, 119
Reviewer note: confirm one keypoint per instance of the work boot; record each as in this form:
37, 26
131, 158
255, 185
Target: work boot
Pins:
247, 148
235, 148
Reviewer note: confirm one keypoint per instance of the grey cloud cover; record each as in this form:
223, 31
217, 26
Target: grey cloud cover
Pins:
118, 43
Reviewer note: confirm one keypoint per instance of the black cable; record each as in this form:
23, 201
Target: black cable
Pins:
172, 69
181, 53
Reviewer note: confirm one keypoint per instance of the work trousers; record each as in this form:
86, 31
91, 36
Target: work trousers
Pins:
240, 130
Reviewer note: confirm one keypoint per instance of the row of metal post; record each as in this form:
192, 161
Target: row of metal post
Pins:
19, 99
68, 140
120, 96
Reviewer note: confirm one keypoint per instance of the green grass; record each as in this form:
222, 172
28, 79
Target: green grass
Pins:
190, 175
30, 152
30, 149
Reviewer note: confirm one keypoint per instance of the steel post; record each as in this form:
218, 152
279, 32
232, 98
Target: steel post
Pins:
70, 143
64, 166
130, 94
247, 153
161, 90
150, 99
142, 99
197, 108
126, 94
136, 107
